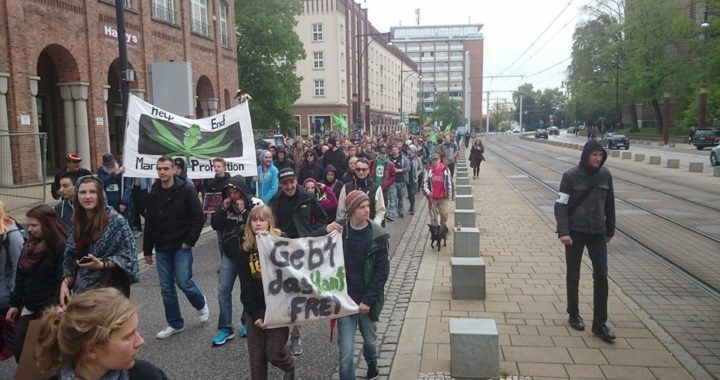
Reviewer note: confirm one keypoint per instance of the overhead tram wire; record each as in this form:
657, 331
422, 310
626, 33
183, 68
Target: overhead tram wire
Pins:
549, 67
538, 37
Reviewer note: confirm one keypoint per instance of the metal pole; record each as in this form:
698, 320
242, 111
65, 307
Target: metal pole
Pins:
521, 111
487, 108
122, 54
358, 115
402, 87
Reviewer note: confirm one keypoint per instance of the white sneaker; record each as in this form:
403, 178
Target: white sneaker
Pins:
204, 313
168, 332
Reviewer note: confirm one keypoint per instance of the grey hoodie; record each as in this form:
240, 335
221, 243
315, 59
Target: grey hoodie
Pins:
13, 240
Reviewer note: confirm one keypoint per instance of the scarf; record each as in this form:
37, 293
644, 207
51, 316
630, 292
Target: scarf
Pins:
69, 374
32, 252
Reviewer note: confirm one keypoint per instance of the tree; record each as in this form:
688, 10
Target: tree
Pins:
448, 110
540, 108
268, 50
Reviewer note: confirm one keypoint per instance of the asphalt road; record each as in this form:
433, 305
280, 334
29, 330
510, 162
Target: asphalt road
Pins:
190, 354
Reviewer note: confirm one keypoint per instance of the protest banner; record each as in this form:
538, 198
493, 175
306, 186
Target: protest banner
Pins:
152, 132
303, 280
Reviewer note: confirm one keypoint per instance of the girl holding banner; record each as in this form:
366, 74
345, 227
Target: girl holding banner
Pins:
367, 267
264, 345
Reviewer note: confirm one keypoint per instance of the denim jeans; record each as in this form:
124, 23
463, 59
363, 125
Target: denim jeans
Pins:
346, 342
226, 282
392, 202
597, 250
220, 237
175, 267
400, 194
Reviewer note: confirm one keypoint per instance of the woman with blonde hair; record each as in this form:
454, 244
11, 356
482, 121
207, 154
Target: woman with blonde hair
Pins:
264, 345
94, 337
100, 249
11, 244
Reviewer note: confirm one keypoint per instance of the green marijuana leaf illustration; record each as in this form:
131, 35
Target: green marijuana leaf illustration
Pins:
189, 146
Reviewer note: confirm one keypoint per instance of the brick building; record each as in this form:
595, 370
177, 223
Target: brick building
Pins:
60, 72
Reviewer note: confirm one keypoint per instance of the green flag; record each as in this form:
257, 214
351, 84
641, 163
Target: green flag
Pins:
448, 127
340, 122
432, 138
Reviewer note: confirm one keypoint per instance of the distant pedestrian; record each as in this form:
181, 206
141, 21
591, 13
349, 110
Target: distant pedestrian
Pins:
448, 154
691, 134
585, 215
476, 156
118, 190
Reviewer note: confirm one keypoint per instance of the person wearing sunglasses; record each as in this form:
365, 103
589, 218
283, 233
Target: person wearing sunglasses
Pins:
362, 181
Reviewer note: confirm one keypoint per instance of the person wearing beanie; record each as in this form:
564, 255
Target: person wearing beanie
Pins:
118, 190
72, 165
585, 215
366, 271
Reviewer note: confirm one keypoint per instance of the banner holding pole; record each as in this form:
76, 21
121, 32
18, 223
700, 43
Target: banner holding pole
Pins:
303, 280
152, 132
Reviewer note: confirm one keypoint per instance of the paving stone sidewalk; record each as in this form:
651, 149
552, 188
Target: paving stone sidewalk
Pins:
525, 274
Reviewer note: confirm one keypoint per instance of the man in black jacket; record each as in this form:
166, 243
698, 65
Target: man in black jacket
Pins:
297, 214
335, 157
173, 225
585, 215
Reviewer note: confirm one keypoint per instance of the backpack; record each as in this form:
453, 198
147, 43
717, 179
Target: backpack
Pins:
6, 243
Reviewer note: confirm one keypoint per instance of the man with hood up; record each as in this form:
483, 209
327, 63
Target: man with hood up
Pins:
282, 160
585, 215
230, 218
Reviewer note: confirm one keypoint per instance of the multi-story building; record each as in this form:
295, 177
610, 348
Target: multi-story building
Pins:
450, 59
350, 69
60, 72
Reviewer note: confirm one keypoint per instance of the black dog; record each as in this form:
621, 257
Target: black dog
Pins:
437, 233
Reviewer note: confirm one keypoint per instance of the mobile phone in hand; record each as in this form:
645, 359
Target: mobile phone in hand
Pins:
85, 260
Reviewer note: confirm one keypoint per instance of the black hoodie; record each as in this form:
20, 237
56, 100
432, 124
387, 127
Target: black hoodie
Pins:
586, 200
232, 221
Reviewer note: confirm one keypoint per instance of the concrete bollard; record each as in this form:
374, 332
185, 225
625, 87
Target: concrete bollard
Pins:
696, 167
626, 155
464, 202
639, 157
466, 242
716, 171
474, 348
673, 163
648, 142
468, 278
671, 144
465, 217
614, 153
655, 160
463, 190
462, 180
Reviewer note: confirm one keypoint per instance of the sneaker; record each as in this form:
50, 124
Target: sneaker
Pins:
296, 345
402, 215
243, 331
289, 374
222, 337
576, 322
168, 332
204, 313
373, 372
389, 218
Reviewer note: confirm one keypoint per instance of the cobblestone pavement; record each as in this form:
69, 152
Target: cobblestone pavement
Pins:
526, 297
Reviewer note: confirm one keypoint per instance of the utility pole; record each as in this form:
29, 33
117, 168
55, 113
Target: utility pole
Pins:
487, 107
521, 113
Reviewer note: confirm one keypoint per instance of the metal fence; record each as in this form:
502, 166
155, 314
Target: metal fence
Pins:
23, 169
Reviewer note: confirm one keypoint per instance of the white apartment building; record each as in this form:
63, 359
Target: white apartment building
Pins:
450, 59
346, 56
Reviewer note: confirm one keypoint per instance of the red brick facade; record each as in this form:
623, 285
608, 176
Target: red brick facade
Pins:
72, 41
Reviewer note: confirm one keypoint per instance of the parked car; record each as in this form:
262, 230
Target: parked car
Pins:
541, 133
553, 131
706, 137
570, 131
617, 141
715, 156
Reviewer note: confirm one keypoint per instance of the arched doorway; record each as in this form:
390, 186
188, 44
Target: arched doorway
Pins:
207, 104
116, 119
56, 66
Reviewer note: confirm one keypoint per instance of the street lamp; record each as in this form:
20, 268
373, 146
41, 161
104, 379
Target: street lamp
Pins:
402, 87
360, 95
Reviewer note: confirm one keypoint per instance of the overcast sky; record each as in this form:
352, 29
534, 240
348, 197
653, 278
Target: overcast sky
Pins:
509, 28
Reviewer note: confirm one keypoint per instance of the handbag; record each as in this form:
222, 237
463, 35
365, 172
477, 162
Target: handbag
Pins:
118, 279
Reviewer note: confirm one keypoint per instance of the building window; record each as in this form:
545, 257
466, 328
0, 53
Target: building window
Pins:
224, 34
164, 10
199, 17
317, 31
318, 60
319, 87
128, 4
